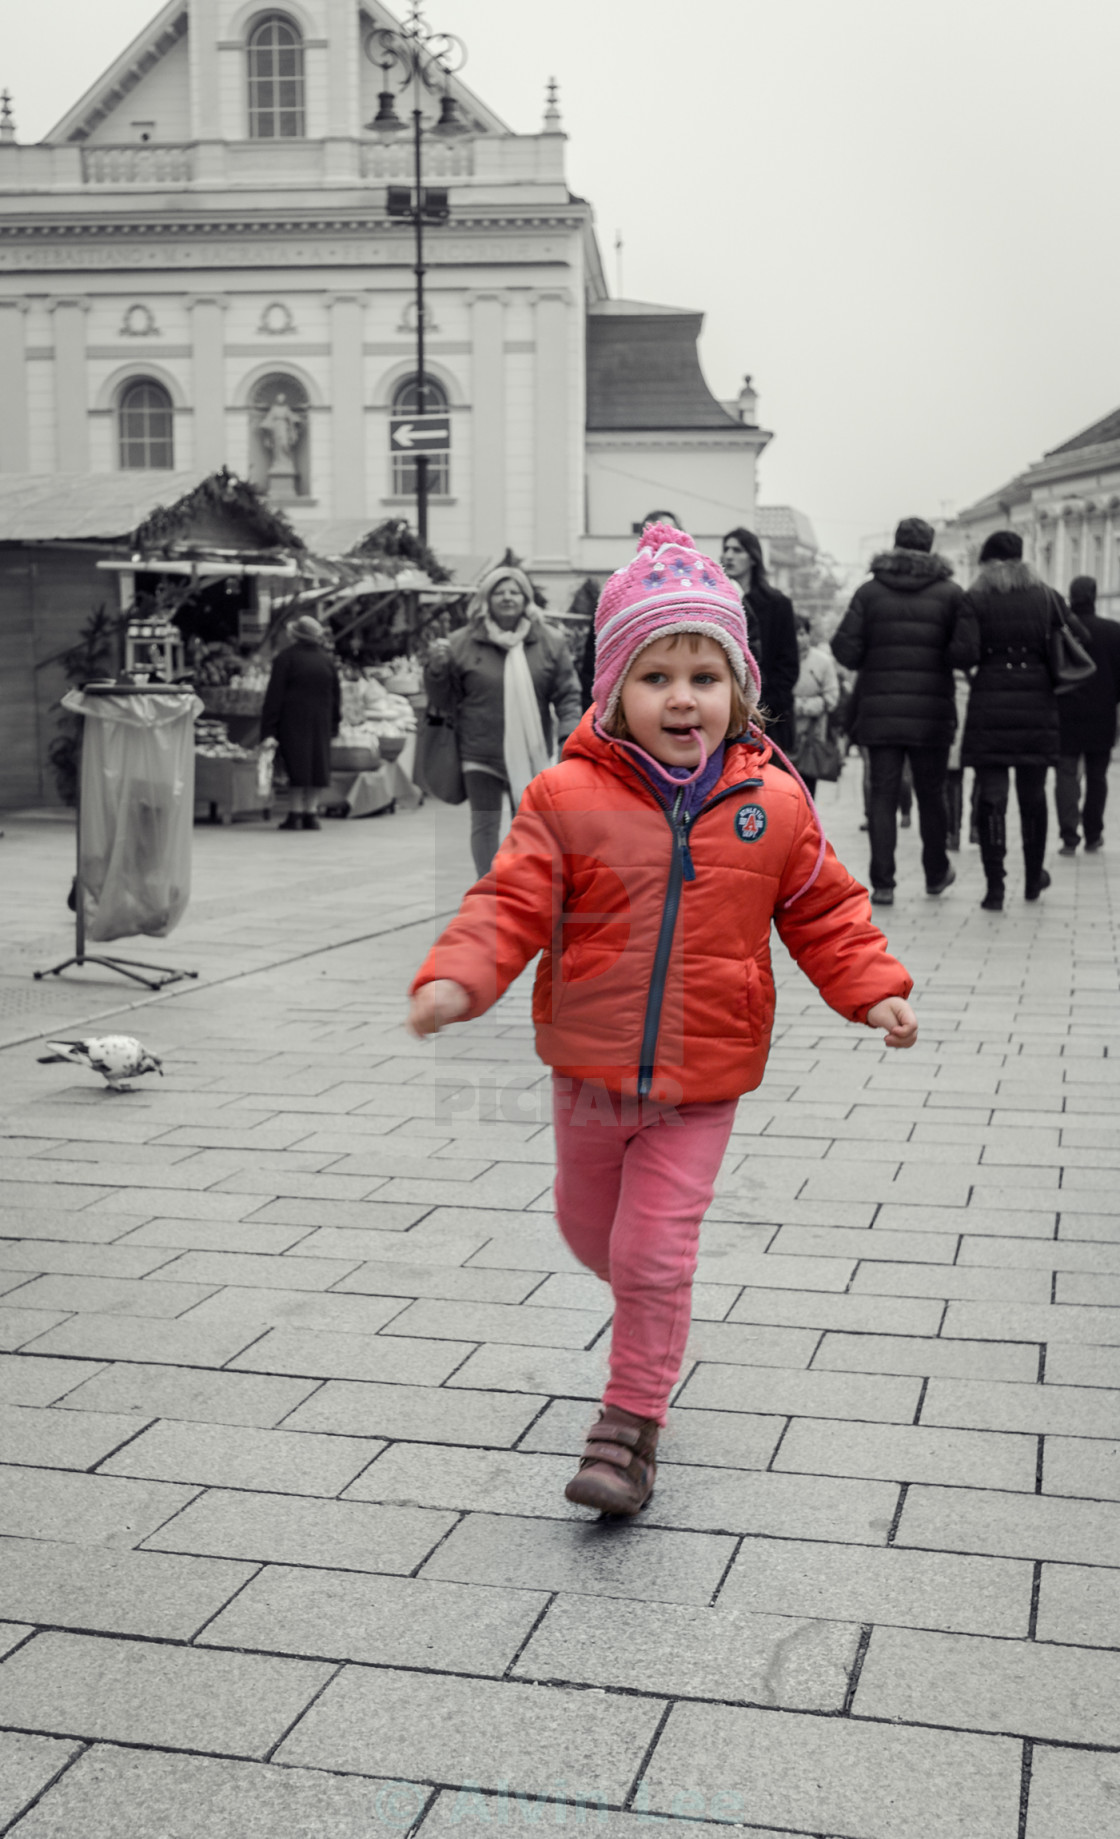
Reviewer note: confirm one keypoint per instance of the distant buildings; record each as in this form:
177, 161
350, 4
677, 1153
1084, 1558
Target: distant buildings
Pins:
1066, 507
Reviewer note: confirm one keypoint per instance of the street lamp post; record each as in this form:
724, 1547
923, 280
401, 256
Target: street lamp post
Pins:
425, 60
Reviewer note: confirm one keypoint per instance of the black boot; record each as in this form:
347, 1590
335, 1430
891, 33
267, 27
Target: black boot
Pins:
993, 847
954, 809
1034, 849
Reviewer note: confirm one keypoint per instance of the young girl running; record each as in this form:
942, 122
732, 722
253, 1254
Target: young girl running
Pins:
646, 868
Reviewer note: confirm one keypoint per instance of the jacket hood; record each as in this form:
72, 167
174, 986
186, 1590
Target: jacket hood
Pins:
910, 569
1004, 578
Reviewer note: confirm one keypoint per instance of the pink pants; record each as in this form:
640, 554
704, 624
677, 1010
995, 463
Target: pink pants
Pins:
633, 1181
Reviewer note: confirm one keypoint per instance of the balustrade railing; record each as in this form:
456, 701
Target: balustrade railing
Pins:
138, 164
394, 160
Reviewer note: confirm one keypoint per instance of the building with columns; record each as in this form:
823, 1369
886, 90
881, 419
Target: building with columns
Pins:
198, 267
1066, 507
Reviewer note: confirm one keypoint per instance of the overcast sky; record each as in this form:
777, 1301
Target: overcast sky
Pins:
899, 217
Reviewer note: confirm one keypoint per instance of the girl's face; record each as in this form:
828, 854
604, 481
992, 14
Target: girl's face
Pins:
674, 685
735, 561
804, 640
507, 603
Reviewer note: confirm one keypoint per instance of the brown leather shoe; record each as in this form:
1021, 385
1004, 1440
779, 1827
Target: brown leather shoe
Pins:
617, 1471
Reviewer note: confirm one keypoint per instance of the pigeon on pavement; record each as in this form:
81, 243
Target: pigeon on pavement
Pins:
118, 1057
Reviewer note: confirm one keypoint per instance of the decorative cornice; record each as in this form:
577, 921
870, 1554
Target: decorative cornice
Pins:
165, 227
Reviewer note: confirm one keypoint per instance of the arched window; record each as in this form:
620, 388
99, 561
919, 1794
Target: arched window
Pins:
406, 401
279, 460
275, 79
145, 424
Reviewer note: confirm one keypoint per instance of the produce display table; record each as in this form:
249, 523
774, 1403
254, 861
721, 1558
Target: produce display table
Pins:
366, 794
225, 789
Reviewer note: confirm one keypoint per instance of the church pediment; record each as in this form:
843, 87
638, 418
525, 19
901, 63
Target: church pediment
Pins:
146, 93
114, 95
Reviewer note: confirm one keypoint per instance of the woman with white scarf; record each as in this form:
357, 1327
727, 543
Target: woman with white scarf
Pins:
500, 679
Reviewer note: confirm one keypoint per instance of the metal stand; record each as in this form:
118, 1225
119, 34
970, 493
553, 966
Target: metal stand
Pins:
158, 975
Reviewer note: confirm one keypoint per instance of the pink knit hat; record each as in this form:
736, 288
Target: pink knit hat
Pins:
668, 587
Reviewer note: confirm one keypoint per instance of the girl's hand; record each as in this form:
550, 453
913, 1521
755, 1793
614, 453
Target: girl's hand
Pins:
899, 1020
435, 1004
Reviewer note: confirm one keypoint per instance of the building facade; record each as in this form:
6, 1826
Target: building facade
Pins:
1066, 507
198, 267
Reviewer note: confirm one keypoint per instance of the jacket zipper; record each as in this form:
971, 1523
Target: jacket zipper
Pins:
681, 869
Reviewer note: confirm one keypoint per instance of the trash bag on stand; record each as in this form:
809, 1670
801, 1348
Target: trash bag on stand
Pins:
137, 810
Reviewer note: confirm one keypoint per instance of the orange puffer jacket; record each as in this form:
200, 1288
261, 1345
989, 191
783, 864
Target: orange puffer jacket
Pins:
655, 935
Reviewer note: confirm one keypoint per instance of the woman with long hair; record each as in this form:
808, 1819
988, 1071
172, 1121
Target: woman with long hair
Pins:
775, 627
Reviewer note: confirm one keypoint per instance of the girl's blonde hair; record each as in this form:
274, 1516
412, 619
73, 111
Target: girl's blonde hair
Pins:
744, 713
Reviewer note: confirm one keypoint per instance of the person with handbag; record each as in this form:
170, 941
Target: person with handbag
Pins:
499, 682
1015, 623
816, 694
902, 634
1087, 717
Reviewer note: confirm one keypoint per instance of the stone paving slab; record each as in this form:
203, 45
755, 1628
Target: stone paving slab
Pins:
927, 1356
586, 1557
110, 1295
1029, 1688
1079, 1605
885, 1585
813, 1394
1095, 1411
387, 1621
136, 1794
834, 1775
149, 1693
35, 1381
725, 1653
323, 1354
38, 1255
527, 1739
1011, 1525
285, 1529
909, 1452
429, 1414
58, 1440
187, 1393
28, 1765
855, 1315
116, 1592
1072, 1792
228, 1456
1067, 1365
133, 1337
84, 1509
1084, 1467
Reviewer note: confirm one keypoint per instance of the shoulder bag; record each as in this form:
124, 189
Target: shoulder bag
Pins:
1069, 661
438, 769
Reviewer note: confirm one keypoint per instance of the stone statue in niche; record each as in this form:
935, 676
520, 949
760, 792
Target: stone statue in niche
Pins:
280, 428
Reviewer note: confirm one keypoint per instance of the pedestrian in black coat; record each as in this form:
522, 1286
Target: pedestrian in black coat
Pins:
903, 634
771, 632
302, 711
1012, 708
1087, 723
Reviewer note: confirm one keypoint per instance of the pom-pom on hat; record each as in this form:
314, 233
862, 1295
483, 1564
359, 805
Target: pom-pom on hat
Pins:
669, 587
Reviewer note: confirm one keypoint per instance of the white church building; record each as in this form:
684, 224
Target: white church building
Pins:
198, 267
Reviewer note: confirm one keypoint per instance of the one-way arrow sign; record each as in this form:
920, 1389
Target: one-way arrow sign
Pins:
420, 433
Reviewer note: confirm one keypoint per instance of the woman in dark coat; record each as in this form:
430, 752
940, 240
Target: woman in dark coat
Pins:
501, 678
302, 710
771, 629
1012, 709
1088, 723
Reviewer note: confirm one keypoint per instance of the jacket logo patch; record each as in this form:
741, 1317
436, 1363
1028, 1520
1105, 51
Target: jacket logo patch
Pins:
750, 823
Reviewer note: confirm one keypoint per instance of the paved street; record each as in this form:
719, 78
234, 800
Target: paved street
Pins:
297, 1366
